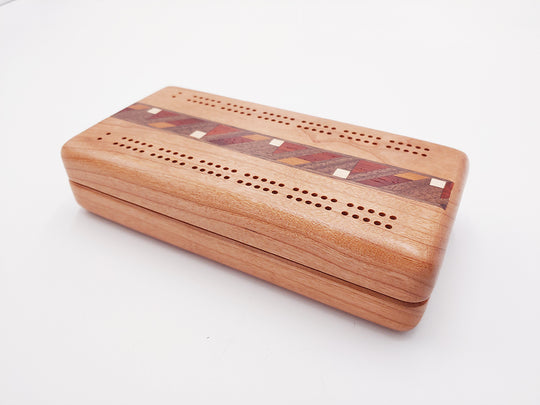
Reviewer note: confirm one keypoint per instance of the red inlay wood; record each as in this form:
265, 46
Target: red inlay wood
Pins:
187, 121
289, 147
384, 181
230, 141
364, 166
447, 190
317, 157
222, 129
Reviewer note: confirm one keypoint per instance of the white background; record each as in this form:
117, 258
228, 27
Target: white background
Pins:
93, 313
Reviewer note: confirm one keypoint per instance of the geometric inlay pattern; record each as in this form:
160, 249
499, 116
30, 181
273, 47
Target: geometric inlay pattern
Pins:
387, 178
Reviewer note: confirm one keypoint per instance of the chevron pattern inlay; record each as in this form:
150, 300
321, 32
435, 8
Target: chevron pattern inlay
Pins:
387, 178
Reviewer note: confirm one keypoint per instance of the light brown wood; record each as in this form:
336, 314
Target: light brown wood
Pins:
395, 250
358, 301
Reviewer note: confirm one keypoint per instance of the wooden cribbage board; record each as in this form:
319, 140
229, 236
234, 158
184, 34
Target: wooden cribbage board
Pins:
352, 217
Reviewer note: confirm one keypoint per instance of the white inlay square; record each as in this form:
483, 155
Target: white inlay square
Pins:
437, 183
197, 134
276, 142
341, 173
154, 110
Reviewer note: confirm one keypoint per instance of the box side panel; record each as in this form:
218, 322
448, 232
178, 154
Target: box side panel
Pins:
357, 301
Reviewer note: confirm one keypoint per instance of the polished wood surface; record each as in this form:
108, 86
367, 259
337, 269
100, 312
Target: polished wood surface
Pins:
319, 286
396, 254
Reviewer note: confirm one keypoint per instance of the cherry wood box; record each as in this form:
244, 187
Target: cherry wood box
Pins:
349, 216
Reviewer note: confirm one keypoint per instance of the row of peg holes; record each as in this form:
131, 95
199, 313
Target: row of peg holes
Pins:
320, 128
137, 148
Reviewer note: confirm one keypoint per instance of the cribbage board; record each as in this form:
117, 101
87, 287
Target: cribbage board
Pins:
352, 217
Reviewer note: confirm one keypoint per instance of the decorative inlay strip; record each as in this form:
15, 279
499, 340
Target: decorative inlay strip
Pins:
387, 178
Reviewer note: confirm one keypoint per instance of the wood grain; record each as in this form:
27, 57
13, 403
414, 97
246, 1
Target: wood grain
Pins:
358, 301
358, 234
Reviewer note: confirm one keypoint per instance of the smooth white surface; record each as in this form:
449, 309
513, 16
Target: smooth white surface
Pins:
276, 142
93, 313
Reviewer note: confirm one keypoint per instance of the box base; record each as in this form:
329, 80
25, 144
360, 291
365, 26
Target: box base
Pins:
332, 291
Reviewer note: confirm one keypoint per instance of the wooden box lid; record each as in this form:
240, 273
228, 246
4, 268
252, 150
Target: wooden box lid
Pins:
365, 206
